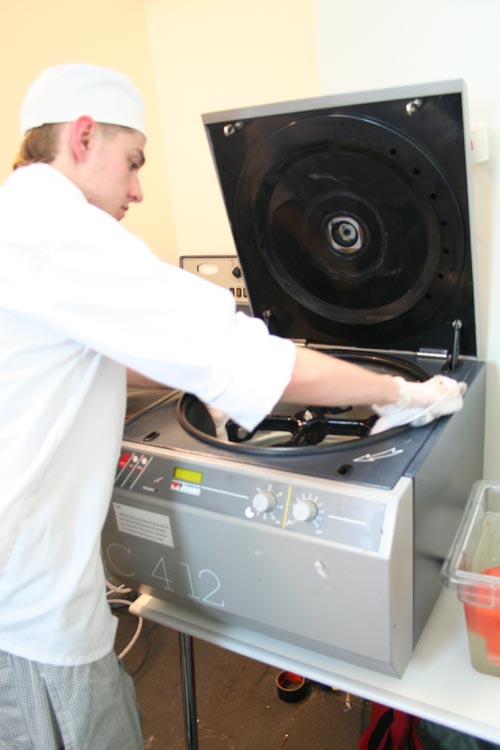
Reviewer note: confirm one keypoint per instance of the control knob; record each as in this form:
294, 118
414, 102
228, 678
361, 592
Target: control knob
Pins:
264, 502
304, 510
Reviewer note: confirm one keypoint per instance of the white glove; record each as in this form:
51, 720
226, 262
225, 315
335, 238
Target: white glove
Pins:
220, 420
420, 403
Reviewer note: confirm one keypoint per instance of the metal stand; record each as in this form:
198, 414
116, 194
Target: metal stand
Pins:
188, 690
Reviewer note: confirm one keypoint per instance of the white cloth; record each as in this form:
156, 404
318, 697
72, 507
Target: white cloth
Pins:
420, 403
81, 299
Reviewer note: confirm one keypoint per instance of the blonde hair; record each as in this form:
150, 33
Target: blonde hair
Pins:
38, 145
41, 144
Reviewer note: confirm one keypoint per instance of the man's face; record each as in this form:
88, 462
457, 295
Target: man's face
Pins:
112, 178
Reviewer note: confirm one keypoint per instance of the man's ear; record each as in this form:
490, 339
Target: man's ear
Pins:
80, 136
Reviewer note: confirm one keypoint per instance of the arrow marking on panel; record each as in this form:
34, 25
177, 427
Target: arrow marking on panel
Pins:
370, 457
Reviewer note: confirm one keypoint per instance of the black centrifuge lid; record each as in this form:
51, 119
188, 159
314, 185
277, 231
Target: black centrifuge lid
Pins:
350, 216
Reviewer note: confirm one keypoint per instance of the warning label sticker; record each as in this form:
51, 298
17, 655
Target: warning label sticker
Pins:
144, 523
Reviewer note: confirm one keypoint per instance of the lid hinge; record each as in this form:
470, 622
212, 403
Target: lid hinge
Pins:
427, 353
453, 361
266, 316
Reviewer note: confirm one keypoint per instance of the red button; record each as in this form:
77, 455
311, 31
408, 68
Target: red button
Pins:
124, 459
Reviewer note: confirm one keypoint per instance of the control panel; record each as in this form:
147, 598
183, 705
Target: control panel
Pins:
343, 514
224, 270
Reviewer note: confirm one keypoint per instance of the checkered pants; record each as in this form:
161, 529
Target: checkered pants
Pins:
86, 707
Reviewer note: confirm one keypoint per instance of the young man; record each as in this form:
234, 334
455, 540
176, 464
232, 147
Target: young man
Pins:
81, 302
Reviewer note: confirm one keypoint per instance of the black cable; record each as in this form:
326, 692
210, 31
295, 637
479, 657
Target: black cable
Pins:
147, 644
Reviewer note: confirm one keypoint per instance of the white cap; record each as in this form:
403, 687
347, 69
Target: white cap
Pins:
66, 92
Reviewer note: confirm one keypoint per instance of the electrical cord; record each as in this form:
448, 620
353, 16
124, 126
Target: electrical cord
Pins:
125, 602
118, 590
148, 640
138, 629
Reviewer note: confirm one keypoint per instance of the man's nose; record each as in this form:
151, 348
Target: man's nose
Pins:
135, 193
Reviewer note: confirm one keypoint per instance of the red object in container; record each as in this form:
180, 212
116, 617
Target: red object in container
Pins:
484, 620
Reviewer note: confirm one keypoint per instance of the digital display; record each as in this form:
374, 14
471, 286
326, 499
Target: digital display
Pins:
188, 475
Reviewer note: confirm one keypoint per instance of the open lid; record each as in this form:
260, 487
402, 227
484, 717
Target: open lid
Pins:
350, 215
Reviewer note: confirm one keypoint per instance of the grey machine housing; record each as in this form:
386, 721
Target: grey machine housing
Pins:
322, 552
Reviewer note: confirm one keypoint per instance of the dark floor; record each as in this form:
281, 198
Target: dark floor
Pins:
238, 705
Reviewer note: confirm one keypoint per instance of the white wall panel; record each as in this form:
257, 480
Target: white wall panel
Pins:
366, 45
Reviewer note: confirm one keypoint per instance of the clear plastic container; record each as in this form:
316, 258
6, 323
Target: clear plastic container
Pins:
472, 568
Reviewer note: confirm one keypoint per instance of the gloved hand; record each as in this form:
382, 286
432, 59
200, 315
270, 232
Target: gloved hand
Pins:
220, 420
420, 403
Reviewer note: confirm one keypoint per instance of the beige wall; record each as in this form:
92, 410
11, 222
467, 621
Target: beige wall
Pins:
213, 55
187, 57
36, 34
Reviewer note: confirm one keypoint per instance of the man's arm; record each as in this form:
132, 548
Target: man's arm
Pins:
318, 379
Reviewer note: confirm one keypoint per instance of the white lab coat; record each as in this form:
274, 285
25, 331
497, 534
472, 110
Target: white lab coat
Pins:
81, 299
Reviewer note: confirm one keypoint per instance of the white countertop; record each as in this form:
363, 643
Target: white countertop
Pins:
439, 683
